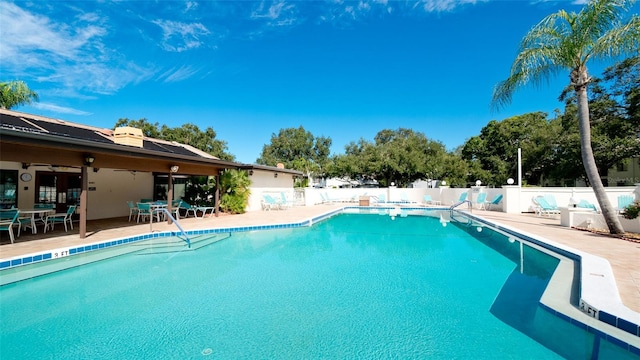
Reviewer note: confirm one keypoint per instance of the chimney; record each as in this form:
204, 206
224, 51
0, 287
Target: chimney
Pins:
127, 135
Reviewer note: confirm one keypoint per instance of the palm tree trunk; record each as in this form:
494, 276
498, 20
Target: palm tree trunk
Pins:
589, 162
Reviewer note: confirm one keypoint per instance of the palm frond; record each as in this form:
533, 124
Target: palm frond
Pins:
620, 40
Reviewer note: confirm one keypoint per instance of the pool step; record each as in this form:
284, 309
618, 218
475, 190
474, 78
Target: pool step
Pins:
173, 245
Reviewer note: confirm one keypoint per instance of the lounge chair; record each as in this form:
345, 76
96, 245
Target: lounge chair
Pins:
9, 219
481, 199
427, 200
624, 201
64, 218
551, 200
191, 209
325, 199
404, 198
542, 207
284, 202
496, 200
584, 204
270, 203
381, 199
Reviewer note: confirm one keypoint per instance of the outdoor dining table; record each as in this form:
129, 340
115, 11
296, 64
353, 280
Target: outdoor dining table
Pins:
34, 212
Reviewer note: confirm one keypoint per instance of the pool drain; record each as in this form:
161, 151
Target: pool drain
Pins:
207, 351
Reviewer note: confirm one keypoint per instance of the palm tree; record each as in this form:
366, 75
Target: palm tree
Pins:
14, 93
567, 41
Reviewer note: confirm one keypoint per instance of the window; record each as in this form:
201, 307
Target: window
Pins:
623, 166
161, 187
8, 189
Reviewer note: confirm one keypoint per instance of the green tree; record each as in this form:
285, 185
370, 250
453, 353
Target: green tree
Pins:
493, 154
189, 134
297, 149
613, 130
400, 156
567, 41
15, 93
625, 79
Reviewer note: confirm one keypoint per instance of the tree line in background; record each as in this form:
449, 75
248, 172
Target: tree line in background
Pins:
550, 146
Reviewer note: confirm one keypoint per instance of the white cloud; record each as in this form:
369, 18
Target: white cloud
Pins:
442, 5
67, 55
58, 109
181, 73
278, 13
179, 36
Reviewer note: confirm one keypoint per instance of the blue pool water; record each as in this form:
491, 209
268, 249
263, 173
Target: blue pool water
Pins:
353, 286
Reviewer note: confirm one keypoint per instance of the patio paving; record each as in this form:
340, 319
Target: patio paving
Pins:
624, 256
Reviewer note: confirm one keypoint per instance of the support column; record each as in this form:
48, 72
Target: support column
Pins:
83, 202
217, 195
170, 197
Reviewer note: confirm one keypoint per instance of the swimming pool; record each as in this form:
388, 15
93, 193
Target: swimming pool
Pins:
353, 286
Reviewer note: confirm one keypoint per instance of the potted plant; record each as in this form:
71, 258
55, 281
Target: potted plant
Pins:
630, 221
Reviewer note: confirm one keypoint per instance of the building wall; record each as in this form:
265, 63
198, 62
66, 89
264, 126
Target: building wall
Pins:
627, 174
264, 182
109, 191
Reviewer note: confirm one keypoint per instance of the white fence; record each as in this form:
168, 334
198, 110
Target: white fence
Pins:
515, 199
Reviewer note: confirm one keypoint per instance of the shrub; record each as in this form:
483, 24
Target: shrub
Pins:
234, 186
632, 211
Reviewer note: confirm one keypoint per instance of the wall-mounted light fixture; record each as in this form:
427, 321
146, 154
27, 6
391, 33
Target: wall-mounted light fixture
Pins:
88, 160
26, 165
275, 175
175, 168
95, 170
250, 172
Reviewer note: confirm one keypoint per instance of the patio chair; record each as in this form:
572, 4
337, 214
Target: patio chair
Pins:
133, 209
623, 202
63, 218
481, 199
175, 208
462, 198
496, 200
542, 207
9, 219
145, 211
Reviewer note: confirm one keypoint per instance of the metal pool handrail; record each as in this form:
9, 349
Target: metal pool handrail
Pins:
470, 204
186, 237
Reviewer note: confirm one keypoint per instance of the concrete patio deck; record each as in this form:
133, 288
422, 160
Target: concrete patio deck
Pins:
624, 256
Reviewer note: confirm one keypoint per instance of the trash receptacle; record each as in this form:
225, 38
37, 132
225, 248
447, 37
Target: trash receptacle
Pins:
364, 200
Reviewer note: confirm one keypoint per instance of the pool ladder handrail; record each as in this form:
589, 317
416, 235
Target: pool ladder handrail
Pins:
470, 204
167, 213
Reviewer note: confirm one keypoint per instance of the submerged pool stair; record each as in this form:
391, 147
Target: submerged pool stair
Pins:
175, 245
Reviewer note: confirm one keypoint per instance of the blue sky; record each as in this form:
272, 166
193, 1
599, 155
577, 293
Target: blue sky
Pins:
341, 69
